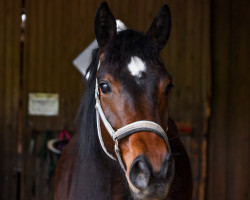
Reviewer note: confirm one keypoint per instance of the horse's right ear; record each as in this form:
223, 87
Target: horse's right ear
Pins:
105, 25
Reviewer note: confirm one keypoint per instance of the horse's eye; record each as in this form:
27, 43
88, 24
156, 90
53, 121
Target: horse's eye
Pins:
105, 88
168, 88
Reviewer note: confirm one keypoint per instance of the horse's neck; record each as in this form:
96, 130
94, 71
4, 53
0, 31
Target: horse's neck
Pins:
94, 179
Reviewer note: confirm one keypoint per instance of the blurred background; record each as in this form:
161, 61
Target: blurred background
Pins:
208, 55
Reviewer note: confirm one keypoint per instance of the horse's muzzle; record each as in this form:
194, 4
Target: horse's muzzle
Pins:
148, 182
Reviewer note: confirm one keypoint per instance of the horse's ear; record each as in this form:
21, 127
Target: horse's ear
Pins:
160, 29
105, 25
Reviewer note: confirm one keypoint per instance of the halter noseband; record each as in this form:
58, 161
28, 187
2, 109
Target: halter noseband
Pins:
138, 126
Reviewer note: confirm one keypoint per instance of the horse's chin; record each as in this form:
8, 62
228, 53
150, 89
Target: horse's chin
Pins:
155, 193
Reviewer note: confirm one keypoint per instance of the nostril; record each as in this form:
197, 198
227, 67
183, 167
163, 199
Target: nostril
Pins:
165, 166
139, 173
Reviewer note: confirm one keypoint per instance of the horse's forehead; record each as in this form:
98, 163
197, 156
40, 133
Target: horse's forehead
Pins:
136, 66
133, 68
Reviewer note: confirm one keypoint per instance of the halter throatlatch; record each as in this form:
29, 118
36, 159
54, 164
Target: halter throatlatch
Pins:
138, 126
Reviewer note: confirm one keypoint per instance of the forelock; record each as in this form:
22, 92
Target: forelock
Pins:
127, 44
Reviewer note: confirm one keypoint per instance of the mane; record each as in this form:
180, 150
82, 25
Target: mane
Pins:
88, 142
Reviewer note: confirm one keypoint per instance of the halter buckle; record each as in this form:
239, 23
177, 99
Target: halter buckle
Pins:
117, 149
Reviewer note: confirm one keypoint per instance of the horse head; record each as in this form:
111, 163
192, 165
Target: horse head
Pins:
132, 88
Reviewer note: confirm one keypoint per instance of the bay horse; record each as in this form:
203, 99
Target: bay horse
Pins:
125, 106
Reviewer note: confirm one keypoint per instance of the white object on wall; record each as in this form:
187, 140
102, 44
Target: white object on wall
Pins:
43, 104
82, 61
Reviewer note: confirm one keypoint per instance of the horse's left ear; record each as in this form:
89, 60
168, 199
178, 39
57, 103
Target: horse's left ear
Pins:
160, 29
105, 25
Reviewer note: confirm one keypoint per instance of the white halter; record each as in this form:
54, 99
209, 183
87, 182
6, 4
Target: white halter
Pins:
138, 126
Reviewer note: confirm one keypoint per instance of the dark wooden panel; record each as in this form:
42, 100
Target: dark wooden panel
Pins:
229, 136
10, 18
239, 103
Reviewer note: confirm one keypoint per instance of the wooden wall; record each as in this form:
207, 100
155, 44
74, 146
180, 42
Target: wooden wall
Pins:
9, 96
229, 135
